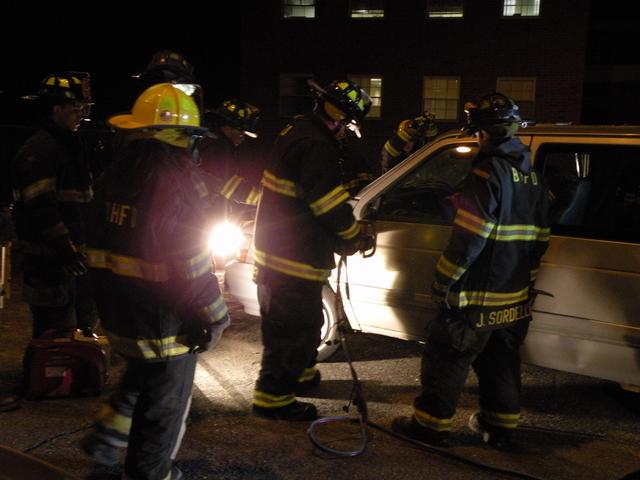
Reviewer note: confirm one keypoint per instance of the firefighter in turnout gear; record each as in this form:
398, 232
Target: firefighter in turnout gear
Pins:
155, 283
484, 284
303, 219
52, 186
229, 124
410, 135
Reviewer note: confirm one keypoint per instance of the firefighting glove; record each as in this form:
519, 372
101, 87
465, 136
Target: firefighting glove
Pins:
73, 261
424, 125
346, 247
361, 243
365, 243
204, 336
439, 294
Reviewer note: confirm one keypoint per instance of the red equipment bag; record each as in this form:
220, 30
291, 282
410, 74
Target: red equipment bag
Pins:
67, 364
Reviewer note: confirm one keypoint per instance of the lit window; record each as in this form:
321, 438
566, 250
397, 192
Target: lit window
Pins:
521, 90
520, 8
373, 86
441, 96
295, 94
445, 8
299, 8
367, 8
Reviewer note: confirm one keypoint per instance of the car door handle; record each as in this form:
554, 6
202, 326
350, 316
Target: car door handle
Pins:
368, 229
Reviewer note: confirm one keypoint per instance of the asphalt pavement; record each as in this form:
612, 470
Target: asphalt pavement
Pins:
574, 427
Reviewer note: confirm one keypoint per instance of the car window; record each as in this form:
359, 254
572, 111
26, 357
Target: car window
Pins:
595, 190
422, 196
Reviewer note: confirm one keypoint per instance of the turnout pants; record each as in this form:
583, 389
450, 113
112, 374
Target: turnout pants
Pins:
291, 313
147, 414
452, 349
57, 300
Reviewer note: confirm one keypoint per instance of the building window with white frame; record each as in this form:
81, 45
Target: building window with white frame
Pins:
445, 8
373, 86
295, 94
441, 96
522, 90
366, 8
521, 8
299, 8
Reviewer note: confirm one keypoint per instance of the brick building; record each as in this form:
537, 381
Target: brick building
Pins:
415, 54
612, 78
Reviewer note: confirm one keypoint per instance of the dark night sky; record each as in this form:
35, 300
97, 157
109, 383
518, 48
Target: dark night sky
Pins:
113, 42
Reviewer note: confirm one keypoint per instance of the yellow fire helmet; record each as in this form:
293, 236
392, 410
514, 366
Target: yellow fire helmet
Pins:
165, 105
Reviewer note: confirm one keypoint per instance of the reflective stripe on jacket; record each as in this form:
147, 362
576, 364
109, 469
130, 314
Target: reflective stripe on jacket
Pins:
154, 275
220, 162
499, 234
51, 188
303, 215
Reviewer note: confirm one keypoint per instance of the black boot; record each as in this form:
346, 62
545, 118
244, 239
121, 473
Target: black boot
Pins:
296, 411
409, 427
498, 438
308, 385
101, 452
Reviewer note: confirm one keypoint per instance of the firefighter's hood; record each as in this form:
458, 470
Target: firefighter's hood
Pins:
515, 152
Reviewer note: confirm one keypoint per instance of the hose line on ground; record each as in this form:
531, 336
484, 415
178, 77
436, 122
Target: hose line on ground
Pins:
357, 398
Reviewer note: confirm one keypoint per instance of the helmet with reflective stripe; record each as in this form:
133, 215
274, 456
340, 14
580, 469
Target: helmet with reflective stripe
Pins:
64, 87
165, 105
351, 102
491, 109
237, 114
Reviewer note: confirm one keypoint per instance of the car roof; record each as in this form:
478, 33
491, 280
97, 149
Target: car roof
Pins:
540, 129
595, 130
571, 130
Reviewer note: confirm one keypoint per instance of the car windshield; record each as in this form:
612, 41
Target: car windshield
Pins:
423, 195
